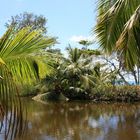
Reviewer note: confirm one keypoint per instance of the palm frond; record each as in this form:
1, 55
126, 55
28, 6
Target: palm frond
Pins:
11, 118
128, 43
19, 63
113, 15
18, 51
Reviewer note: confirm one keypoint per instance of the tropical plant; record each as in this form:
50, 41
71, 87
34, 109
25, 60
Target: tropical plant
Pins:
84, 75
77, 76
118, 29
77, 65
19, 53
68, 74
77, 71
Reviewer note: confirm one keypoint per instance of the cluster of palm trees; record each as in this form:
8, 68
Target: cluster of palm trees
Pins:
78, 75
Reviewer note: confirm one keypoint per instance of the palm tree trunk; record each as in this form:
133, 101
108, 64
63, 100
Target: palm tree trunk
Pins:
135, 77
138, 73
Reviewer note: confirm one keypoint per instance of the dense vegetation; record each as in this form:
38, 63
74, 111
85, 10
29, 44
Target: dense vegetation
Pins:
28, 68
81, 76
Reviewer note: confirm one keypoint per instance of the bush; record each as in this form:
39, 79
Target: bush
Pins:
117, 93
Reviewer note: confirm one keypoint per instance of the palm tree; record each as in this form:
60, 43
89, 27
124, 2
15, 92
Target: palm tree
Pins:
19, 52
118, 29
76, 67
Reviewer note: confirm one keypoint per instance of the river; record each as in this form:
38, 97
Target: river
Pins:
82, 121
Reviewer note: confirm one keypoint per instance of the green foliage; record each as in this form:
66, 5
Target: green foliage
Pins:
19, 52
28, 19
90, 52
85, 42
118, 29
80, 78
117, 93
76, 77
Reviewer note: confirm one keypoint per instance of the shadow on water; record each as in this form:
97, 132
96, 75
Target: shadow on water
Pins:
82, 121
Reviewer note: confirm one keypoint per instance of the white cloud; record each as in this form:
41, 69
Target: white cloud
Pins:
78, 38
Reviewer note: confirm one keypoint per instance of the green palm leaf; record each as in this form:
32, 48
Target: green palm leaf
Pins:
118, 25
19, 52
128, 42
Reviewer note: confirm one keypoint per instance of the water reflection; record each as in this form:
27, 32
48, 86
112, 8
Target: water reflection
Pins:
83, 121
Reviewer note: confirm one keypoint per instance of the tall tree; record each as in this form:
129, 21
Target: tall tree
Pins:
28, 19
85, 43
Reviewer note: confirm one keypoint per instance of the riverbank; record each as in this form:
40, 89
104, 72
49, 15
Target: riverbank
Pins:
107, 94
121, 93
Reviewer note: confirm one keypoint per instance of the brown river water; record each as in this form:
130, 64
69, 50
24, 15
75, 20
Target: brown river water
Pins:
82, 121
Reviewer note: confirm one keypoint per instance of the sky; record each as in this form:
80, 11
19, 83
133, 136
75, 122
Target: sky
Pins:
69, 20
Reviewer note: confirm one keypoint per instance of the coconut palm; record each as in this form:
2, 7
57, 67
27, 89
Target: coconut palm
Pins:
68, 75
77, 64
118, 29
76, 67
19, 52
